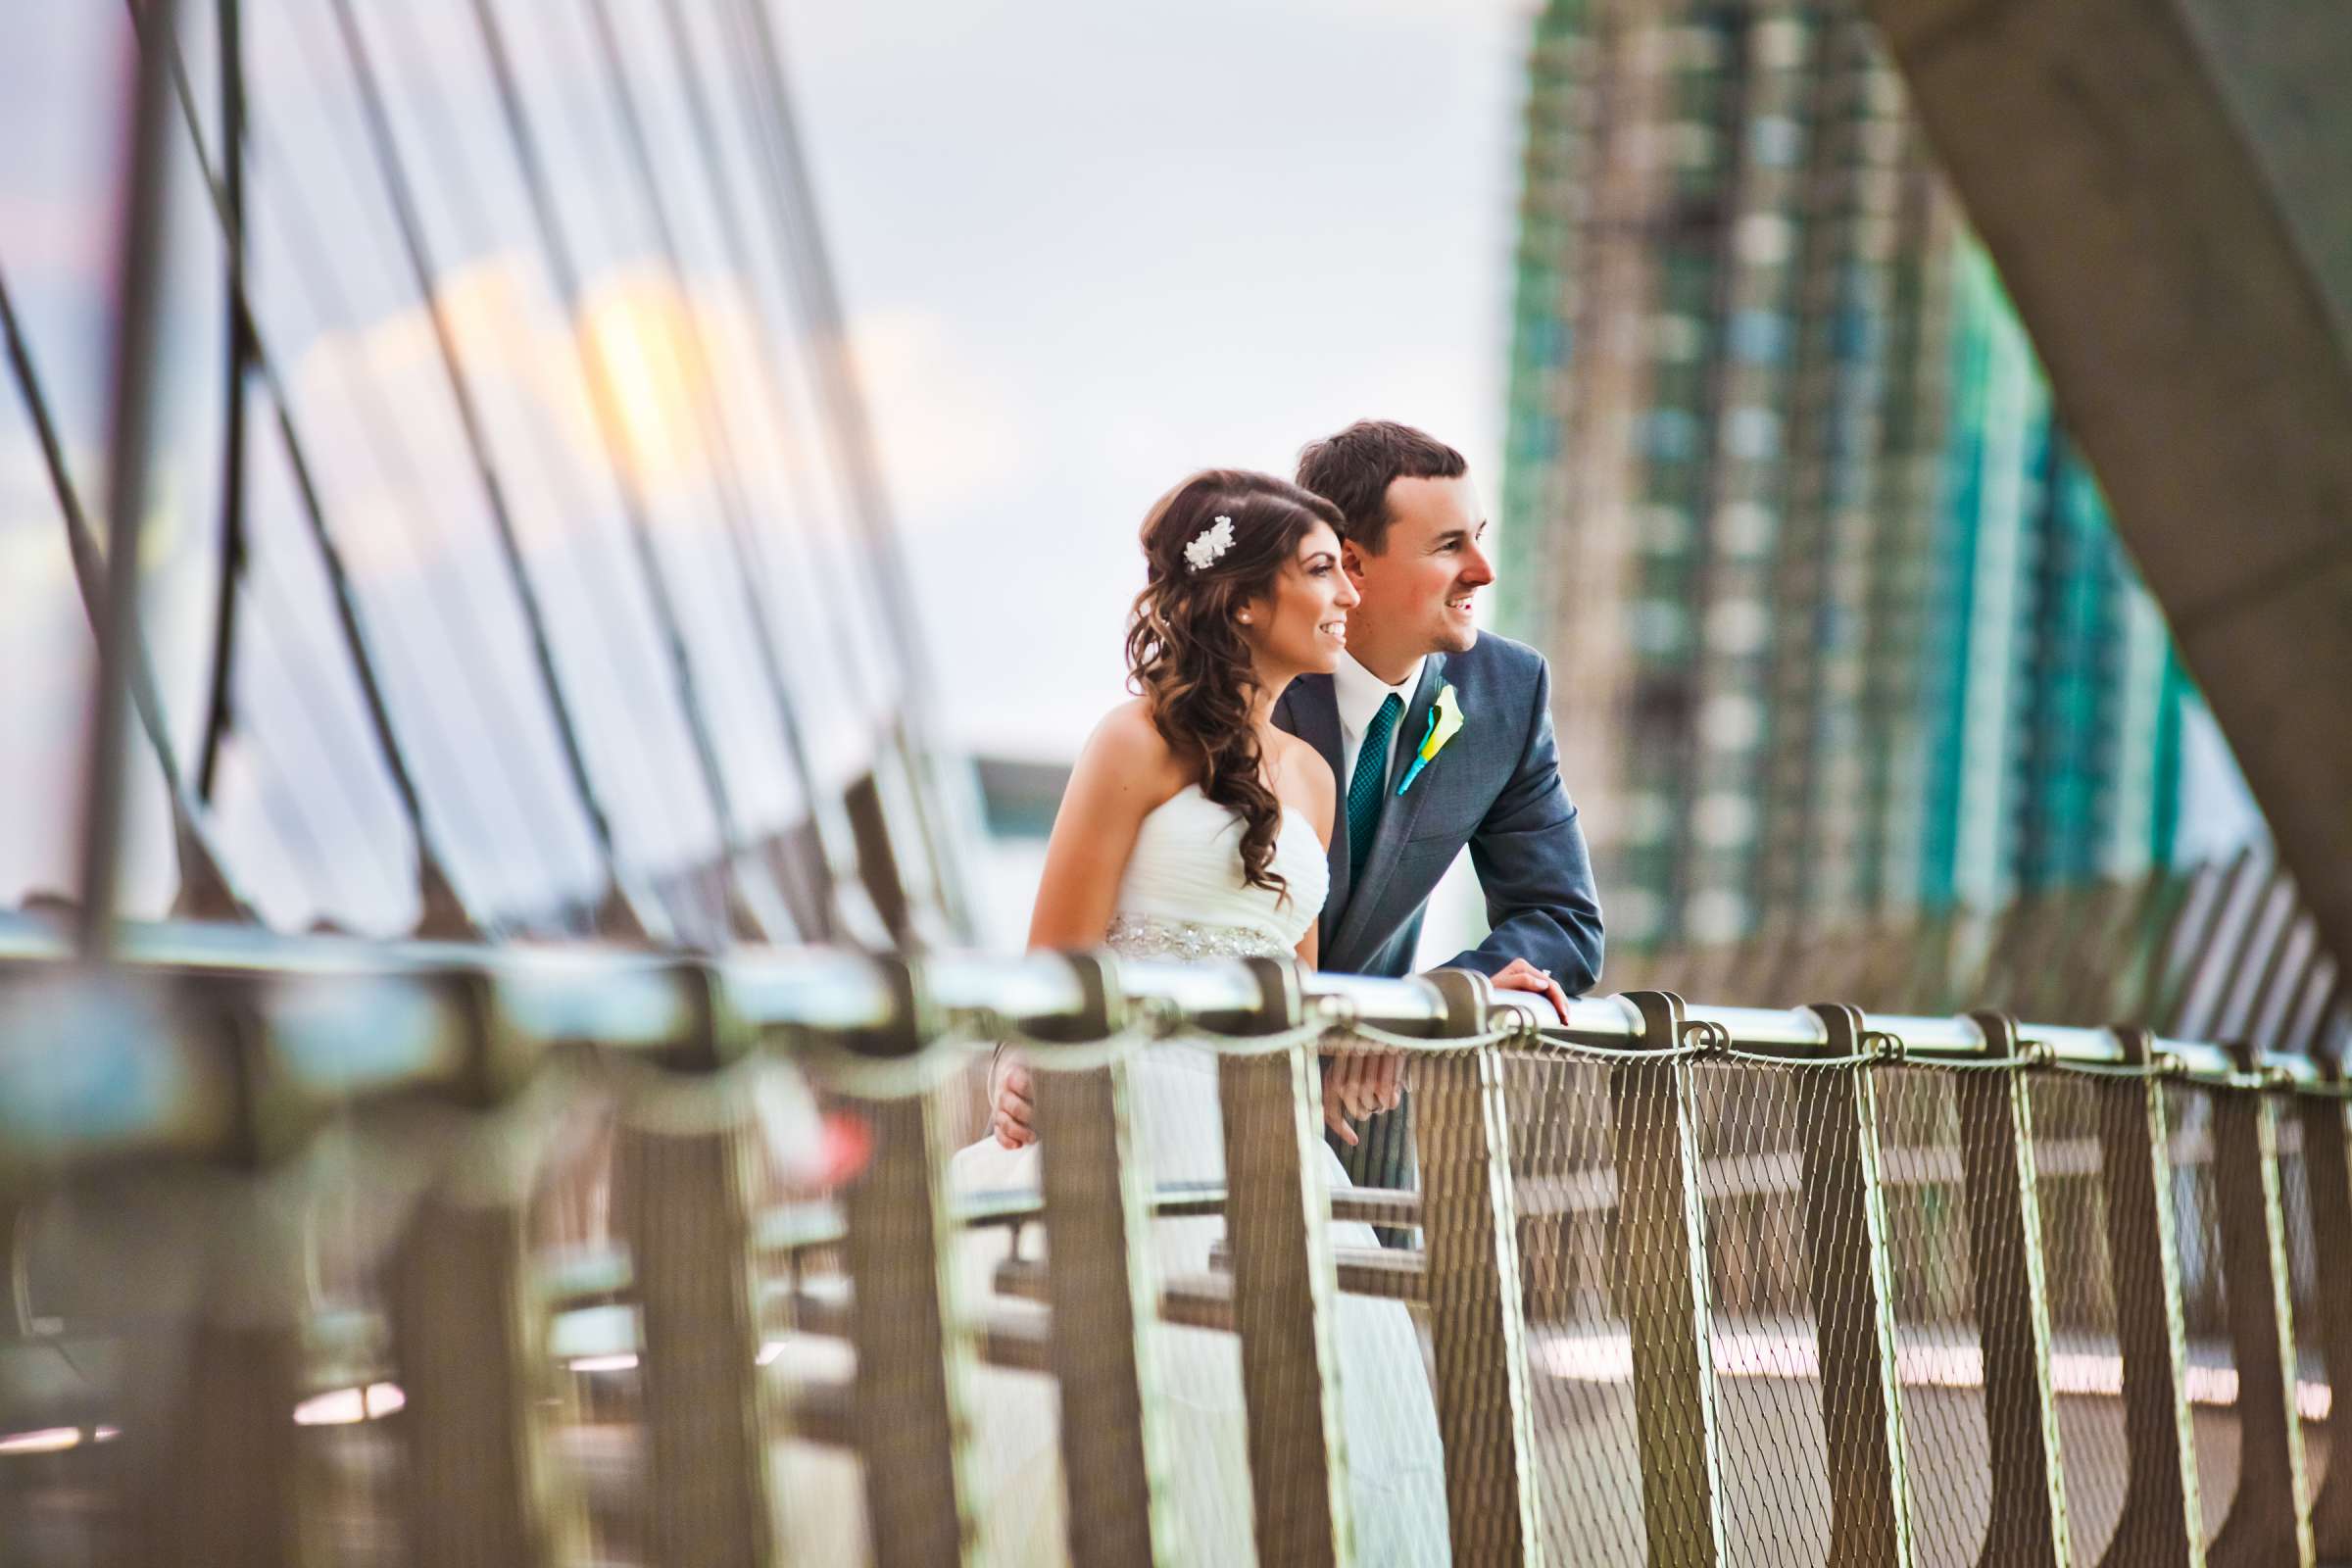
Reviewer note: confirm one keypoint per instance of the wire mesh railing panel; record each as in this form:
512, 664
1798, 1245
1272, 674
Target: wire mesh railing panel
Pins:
2212, 1378
1195, 1357
1579, 1351
1705, 1300
2087, 1356
1938, 1355
1385, 1421
2314, 1393
1180, 1142
1776, 1502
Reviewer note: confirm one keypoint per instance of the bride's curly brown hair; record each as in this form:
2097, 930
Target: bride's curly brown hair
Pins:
1185, 651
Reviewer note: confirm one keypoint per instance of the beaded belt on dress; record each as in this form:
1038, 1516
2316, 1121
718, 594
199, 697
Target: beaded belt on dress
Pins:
1149, 936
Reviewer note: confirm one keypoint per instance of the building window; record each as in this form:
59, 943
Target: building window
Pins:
1764, 239
1744, 530
1732, 722
1737, 626
1773, 141
1659, 626
1671, 434
1716, 914
1752, 433
1649, 817
1780, 43
1664, 530
1725, 821
1676, 339
1759, 337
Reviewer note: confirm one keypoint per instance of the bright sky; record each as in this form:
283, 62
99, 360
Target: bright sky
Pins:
1090, 248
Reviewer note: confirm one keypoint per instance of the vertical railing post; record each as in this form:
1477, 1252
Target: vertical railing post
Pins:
2327, 1179
2028, 1526
470, 1342
2162, 1523
211, 1447
913, 1341
1285, 1290
1662, 1249
1849, 1268
2265, 1524
1478, 1329
684, 1168
1104, 1293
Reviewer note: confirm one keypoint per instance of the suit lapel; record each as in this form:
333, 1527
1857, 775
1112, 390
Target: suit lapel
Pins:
1396, 811
1309, 711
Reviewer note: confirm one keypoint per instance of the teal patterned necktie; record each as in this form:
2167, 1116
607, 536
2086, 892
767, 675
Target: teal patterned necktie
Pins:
1371, 771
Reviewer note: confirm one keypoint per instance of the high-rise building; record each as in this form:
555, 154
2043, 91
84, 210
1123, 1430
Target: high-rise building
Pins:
1838, 622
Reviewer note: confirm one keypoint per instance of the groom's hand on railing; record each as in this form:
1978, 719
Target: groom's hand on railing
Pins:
1360, 1084
1012, 1115
1521, 975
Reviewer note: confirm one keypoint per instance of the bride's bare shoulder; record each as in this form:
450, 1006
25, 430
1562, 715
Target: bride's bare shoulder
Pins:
1128, 749
1302, 778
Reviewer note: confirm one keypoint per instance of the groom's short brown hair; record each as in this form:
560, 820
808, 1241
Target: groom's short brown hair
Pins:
1354, 469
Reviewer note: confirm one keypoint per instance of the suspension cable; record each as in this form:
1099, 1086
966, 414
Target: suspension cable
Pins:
833, 835
314, 512
217, 714
461, 389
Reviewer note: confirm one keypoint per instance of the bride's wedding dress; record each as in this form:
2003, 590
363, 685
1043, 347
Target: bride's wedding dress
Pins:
1183, 896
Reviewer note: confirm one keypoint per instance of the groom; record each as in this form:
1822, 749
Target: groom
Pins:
1439, 738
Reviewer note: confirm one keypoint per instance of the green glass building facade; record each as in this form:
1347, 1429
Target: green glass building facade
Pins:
1837, 624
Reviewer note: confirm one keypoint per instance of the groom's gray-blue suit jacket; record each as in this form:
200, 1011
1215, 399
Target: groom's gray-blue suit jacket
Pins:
1495, 787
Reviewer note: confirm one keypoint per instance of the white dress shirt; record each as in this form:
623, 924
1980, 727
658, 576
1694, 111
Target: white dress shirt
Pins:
1359, 694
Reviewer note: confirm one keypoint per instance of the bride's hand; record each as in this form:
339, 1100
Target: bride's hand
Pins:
1011, 1115
1360, 1084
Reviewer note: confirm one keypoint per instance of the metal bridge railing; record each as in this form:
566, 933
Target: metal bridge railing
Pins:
298, 1272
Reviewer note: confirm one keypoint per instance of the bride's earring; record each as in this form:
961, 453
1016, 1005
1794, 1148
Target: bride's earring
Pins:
1245, 618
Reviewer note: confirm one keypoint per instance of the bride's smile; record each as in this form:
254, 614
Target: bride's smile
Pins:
1298, 625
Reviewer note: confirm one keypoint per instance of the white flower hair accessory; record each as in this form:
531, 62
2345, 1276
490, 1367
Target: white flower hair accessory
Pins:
1209, 544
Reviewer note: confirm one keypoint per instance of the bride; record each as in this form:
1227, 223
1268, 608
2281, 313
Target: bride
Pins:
1192, 827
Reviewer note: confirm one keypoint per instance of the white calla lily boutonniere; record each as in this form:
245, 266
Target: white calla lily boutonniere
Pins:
1445, 721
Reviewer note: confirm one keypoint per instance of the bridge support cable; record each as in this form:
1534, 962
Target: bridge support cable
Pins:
217, 714
737, 896
132, 394
377, 118
836, 835
556, 249
441, 912
792, 206
205, 892
791, 200
858, 915
699, 95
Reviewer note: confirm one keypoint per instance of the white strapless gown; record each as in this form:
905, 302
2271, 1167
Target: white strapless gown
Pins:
1183, 896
